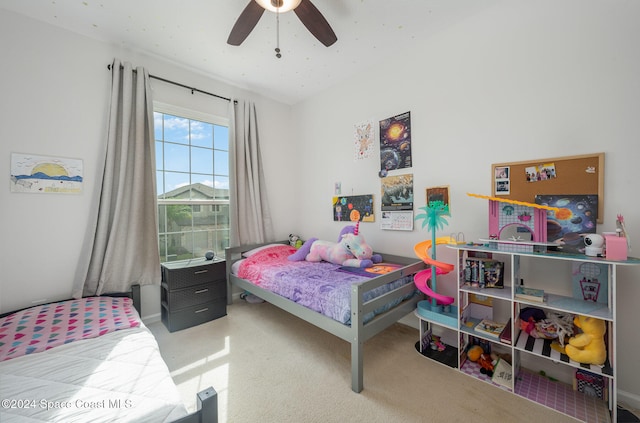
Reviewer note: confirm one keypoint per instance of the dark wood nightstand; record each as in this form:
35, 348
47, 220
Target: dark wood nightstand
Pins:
193, 292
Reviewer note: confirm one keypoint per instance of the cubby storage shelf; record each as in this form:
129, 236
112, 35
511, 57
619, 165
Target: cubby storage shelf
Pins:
473, 369
542, 348
448, 357
572, 305
502, 294
561, 397
525, 349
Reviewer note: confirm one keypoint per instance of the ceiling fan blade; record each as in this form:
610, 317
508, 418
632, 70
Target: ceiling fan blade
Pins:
245, 23
311, 17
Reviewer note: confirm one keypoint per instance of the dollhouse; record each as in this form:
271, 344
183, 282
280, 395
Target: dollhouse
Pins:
516, 225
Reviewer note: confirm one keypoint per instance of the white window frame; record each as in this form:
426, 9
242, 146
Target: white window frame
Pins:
186, 113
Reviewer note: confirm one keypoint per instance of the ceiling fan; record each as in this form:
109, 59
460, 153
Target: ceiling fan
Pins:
308, 14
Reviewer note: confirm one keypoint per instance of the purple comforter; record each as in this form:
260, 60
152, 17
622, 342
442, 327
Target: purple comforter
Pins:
322, 286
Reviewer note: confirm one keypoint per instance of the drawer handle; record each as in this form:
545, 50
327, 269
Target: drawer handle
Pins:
200, 311
200, 271
200, 291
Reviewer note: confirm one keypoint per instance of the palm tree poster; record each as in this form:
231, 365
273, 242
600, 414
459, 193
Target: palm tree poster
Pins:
44, 174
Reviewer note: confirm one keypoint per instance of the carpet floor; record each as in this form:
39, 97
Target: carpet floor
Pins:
269, 366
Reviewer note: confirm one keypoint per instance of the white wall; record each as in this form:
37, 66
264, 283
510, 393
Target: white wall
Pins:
54, 101
524, 80
521, 81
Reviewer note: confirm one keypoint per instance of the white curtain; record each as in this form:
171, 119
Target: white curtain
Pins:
250, 218
122, 246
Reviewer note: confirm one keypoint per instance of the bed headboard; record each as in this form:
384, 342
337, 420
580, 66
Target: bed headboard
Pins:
233, 254
134, 294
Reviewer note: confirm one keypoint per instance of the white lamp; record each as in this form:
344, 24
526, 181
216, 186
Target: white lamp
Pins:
285, 5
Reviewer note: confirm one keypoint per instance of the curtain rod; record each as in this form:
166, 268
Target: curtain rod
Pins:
182, 85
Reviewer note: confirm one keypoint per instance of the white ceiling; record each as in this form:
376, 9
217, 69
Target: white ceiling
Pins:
193, 34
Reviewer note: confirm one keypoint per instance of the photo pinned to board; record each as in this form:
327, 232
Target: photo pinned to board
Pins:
501, 179
543, 172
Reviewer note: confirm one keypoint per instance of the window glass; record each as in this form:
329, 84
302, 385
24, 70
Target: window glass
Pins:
192, 163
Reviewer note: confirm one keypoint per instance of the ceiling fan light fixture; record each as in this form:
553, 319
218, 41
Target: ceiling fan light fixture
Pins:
308, 14
285, 5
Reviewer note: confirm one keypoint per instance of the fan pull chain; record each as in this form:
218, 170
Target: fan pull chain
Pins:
278, 55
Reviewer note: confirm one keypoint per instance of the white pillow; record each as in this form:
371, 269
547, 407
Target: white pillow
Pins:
235, 267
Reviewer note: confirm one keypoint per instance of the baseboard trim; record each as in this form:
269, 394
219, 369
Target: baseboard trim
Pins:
153, 318
629, 399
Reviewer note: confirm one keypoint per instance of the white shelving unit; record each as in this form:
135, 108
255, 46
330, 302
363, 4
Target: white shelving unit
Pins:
564, 295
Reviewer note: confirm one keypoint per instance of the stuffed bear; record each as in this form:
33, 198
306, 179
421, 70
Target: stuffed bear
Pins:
588, 347
350, 250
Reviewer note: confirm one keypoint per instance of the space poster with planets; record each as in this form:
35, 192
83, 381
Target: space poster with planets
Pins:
353, 208
576, 217
395, 142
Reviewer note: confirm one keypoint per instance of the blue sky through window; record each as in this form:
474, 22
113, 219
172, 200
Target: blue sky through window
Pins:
190, 151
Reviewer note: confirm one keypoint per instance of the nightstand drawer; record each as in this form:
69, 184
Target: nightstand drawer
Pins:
183, 277
194, 315
178, 299
193, 292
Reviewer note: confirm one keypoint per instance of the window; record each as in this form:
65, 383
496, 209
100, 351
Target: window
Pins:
192, 164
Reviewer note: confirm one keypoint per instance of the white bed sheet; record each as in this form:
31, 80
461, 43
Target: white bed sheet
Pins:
117, 377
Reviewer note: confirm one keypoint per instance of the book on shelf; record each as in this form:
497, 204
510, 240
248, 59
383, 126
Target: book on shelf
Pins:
503, 374
505, 335
490, 328
484, 273
530, 294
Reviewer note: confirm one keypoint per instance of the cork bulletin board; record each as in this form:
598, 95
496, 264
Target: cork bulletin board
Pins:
569, 175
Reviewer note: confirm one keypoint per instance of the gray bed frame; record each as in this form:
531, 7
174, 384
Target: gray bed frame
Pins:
206, 400
358, 332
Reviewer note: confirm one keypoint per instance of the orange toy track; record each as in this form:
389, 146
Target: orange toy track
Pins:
422, 278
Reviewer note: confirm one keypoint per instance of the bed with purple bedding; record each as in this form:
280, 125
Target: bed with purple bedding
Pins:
353, 304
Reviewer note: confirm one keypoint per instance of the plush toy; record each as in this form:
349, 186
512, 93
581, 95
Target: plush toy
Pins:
295, 241
474, 352
350, 250
550, 325
588, 347
487, 365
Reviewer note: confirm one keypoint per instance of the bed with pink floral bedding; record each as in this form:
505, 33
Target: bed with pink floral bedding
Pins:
352, 304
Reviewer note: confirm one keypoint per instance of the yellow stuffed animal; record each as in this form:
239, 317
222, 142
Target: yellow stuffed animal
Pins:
588, 347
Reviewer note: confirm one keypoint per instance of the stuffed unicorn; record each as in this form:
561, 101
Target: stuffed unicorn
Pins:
350, 250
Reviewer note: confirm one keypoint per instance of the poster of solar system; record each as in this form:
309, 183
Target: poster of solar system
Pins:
353, 208
395, 142
577, 216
